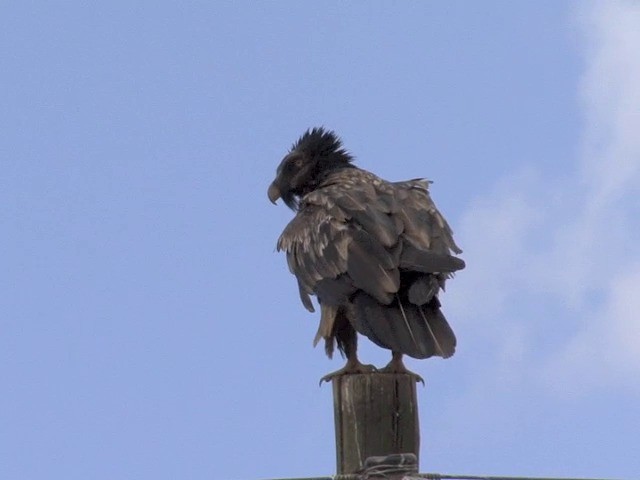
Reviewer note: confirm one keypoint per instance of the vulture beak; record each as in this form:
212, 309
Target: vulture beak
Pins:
273, 193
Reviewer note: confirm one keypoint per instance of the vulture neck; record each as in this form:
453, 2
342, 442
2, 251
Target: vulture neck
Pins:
324, 178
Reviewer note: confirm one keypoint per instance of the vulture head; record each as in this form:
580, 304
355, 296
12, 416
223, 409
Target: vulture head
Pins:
316, 153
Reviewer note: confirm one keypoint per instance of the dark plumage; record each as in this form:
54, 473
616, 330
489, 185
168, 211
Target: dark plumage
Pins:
375, 253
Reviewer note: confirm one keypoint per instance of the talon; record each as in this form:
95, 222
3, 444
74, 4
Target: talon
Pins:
396, 366
351, 368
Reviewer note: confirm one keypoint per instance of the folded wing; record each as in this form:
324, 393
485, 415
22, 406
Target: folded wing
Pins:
381, 251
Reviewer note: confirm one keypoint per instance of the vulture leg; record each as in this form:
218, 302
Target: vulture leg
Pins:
396, 365
347, 340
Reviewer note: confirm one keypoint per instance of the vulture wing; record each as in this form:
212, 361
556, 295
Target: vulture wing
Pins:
381, 250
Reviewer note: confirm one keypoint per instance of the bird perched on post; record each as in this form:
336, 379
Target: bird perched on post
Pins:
374, 253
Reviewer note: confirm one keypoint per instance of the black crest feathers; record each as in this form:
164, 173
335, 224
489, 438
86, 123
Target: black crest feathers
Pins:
319, 141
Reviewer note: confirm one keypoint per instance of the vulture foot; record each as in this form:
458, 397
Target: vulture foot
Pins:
352, 367
396, 365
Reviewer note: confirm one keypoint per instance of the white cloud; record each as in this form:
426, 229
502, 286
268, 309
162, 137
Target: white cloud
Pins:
494, 232
606, 351
608, 227
587, 266
611, 98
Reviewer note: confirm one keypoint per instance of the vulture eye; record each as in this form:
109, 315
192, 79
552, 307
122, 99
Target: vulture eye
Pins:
298, 162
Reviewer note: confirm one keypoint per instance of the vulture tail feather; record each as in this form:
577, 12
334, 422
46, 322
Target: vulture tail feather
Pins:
414, 330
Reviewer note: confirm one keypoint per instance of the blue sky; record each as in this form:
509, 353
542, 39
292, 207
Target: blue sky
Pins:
149, 330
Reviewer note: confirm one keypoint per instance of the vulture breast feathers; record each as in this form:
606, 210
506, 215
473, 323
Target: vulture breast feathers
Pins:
373, 252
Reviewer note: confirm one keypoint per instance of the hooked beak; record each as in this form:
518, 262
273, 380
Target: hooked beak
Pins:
273, 193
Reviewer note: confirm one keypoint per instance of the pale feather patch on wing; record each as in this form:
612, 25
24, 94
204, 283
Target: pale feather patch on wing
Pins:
305, 298
327, 318
316, 245
425, 227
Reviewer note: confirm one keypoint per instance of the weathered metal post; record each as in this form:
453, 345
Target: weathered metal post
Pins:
376, 414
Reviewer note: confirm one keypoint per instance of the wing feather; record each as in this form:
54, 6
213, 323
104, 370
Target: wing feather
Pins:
344, 230
425, 227
349, 243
